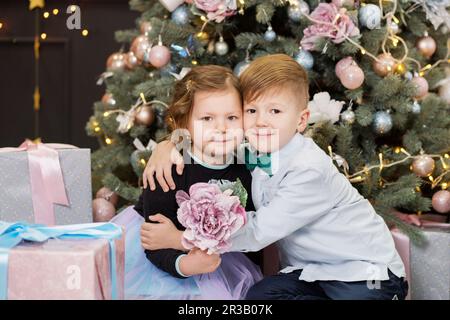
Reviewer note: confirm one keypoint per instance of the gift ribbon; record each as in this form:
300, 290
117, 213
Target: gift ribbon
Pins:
46, 178
12, 234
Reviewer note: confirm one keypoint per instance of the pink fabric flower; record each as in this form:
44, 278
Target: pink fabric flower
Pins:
217, 10
210, 217
327, 12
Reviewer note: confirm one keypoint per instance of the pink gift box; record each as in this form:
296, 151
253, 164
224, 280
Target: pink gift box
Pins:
76, 269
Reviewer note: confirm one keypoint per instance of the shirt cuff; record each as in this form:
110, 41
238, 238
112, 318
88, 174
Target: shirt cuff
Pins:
177, 266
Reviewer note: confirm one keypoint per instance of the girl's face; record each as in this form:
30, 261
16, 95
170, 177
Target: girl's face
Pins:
215, 124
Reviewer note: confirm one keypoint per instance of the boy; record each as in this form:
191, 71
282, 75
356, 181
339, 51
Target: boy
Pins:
332, 243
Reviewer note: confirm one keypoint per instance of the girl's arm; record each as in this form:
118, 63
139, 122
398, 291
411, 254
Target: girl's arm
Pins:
198, 262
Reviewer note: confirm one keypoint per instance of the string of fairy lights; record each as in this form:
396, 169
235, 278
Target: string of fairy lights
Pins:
422, 165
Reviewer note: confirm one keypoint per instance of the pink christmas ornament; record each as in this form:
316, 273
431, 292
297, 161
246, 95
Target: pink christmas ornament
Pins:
342, 65
353, 77
131, 60
422, 86
441, 201
159, 56
426, 46
141, 47
108, 195
116, 62
102, 210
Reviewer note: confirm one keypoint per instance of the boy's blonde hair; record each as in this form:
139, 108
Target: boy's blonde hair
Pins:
202, 78
276, 71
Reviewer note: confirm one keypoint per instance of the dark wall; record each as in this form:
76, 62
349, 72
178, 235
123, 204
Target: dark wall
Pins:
69, 67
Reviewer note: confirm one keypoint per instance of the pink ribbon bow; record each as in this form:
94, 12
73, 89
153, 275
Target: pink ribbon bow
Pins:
46, 179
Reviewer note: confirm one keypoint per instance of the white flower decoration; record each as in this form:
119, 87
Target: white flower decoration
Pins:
323, 108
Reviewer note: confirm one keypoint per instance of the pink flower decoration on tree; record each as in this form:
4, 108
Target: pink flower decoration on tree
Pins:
210, 217
217, 10
335, 27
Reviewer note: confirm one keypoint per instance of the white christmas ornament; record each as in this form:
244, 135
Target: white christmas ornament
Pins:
323, 108
297, 9
305, 59
370, 16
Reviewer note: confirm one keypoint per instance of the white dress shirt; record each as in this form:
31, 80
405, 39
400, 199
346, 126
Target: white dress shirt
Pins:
320, 222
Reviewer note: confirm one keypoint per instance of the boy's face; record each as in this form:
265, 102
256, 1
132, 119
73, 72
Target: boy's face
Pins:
272, 120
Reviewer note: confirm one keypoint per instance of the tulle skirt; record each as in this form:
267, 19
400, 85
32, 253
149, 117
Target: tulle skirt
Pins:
143, 280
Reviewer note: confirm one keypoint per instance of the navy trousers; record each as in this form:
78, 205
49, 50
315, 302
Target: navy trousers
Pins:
287, 286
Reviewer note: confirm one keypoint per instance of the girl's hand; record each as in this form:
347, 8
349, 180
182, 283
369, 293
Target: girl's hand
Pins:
199, 262
161, 160
162, 235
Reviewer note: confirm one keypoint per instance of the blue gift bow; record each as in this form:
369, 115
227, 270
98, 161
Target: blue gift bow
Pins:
11, 234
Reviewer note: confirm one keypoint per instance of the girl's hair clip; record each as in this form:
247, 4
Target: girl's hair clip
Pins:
189, 85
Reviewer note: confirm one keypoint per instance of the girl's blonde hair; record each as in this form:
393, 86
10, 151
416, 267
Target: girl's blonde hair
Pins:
201, 78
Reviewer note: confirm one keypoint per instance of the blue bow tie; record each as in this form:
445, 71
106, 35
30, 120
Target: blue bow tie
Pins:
263, 161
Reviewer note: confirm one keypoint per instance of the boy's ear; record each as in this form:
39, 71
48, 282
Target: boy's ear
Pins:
303, 120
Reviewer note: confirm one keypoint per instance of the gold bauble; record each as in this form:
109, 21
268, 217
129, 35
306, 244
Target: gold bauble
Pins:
423, 166
426, 46
202, 37
385, 64
400, 69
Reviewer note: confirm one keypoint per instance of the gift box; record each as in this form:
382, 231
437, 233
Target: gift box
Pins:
428, 264
85, 265
45, 183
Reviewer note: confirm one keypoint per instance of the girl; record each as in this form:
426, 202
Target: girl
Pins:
207, 105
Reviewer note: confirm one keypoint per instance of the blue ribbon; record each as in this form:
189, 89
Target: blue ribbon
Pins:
11, 234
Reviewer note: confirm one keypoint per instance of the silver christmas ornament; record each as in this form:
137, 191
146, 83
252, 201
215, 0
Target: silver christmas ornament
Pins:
221, 47
394, 27
348, 116
240, 67
297, 9
305, 59
270, 35
382, 122
181, 15
409, 75
416, 108
370, 16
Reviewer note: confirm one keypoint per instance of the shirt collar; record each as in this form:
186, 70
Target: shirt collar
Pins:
280, 157
207, 165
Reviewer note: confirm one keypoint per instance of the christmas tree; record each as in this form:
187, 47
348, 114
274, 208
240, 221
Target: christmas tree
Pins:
378, 81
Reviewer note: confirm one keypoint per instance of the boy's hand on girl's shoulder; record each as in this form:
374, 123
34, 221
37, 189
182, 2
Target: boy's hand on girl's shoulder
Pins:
199, 262
163, 157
